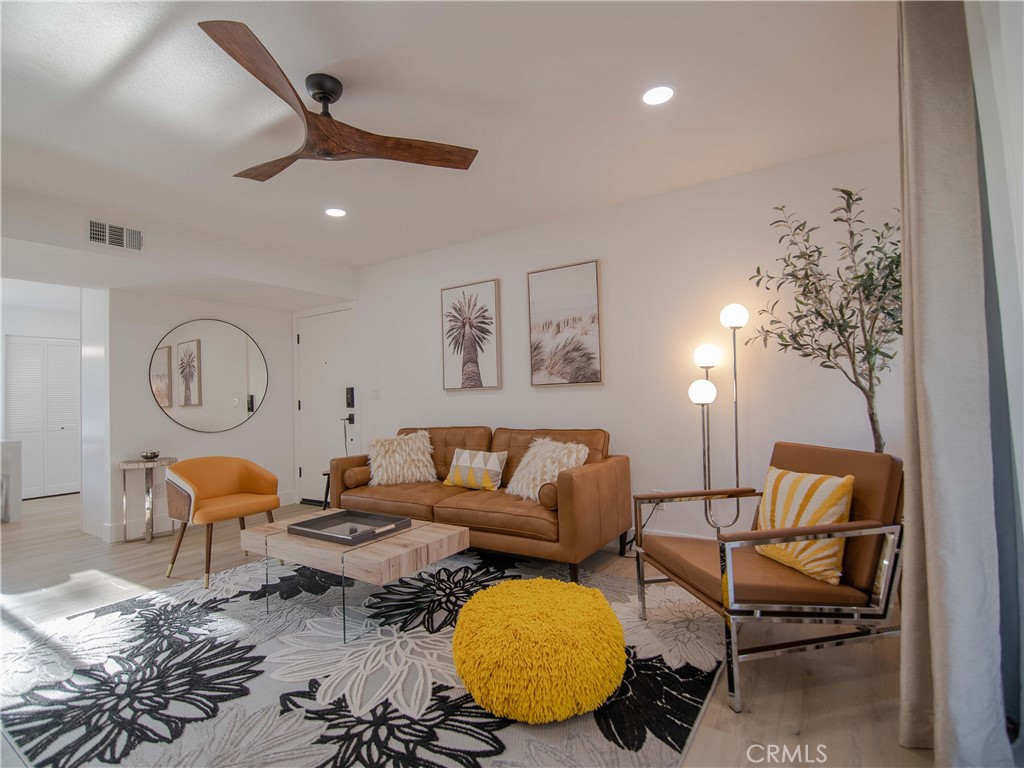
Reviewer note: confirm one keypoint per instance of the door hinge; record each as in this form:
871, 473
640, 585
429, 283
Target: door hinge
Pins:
298, 339
300, 471
300, 405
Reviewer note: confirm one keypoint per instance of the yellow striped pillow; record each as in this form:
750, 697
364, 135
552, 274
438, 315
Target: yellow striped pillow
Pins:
795, 499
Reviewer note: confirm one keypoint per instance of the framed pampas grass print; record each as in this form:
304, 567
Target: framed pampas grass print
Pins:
470, 339
160, 376
565, 325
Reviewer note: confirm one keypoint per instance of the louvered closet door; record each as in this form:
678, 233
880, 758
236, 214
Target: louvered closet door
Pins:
42, 401
24, 403
63, 466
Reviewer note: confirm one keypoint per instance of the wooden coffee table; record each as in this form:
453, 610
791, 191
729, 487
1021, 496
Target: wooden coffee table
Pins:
378, 561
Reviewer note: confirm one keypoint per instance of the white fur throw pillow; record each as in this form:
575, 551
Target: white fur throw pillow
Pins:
544, 459
402, 459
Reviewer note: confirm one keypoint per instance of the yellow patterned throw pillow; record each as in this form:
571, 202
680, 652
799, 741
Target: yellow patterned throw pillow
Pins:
479, 470
797, 499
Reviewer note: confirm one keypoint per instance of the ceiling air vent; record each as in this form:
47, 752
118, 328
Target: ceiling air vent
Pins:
117, 236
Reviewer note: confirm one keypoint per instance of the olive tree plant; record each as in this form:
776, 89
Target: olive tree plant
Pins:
847, 313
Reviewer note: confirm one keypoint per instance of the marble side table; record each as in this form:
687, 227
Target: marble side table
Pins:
147, 466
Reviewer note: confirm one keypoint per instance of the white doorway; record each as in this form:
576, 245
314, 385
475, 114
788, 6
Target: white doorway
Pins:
327, 366
42, 396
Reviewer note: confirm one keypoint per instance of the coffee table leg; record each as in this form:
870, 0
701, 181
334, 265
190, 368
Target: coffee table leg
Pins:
344, 607
266, 575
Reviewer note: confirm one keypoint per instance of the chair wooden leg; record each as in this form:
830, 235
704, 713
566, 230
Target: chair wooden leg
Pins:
732, 665
209, 544
177, 546
622, 543
241, 527
574, 572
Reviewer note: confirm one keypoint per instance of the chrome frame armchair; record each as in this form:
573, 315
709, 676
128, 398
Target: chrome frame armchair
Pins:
871, 617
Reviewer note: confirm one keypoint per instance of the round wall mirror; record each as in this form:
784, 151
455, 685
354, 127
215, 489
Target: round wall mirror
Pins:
208, 375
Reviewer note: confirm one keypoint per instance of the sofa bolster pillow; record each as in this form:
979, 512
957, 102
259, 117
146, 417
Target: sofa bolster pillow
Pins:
548, 496
356, 476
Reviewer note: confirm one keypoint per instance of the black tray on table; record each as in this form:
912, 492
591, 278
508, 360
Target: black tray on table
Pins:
347, 526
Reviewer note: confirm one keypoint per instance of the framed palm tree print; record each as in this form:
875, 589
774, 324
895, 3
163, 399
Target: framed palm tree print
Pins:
565, 325
190, 373
471, 346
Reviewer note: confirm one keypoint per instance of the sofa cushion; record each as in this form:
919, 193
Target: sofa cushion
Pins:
548, 496
356, 476
407, 499
446, 439
402, 459
476, 470
499, 512
542, 463
517, 443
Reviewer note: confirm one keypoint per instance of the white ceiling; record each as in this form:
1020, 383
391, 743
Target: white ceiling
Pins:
132, 108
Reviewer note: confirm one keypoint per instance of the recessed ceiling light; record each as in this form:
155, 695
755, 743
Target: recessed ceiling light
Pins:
336, 212
658, 95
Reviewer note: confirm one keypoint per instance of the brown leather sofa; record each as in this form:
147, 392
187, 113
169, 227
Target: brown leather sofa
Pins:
584, 510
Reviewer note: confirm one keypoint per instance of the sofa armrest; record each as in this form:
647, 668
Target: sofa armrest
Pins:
338, 467
593, 504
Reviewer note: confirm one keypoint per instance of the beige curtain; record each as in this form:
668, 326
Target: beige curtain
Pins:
951, 686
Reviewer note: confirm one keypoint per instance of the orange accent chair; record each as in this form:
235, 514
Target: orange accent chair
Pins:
208, 489
728, 575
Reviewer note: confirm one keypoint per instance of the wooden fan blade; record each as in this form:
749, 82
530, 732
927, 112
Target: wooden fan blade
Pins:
243, 46
269, 170
342, 139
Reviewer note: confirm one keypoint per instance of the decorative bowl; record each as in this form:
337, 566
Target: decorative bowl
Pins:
150, 455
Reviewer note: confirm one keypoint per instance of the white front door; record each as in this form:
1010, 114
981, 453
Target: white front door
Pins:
327, 367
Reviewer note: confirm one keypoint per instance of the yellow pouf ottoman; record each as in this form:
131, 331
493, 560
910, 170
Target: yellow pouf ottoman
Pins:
539, 650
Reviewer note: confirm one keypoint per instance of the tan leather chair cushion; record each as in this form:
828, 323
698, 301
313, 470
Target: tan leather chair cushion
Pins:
877, 495
517, 441
444, 441
407, 499
499, 512
232, 506
757, 579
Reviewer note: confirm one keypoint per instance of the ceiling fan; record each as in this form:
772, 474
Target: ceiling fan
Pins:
326, 138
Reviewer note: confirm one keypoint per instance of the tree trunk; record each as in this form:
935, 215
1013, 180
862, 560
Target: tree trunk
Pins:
188, 392
470, 365
876, 430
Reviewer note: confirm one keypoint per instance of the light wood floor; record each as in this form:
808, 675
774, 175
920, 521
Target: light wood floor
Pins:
845, 699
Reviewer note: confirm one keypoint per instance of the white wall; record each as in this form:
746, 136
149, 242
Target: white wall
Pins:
96, 465
138, 321
668, 266
45, 323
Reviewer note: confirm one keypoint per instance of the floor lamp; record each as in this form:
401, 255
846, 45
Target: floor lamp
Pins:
702, 392
734, 317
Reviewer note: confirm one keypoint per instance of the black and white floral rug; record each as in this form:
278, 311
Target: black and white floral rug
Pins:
192, 677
